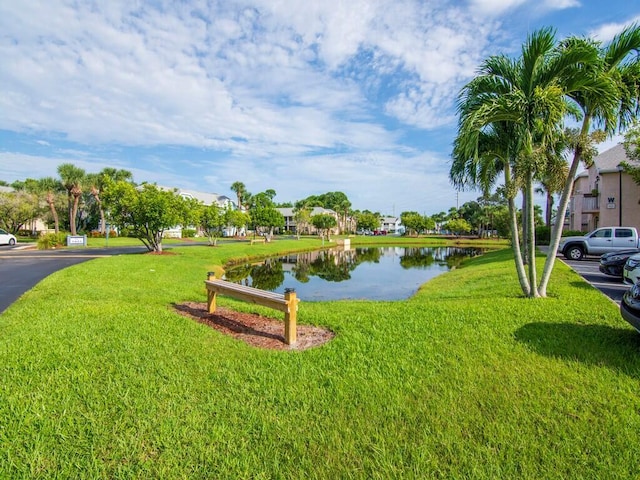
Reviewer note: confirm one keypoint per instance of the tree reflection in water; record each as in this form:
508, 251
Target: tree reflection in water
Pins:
362, 272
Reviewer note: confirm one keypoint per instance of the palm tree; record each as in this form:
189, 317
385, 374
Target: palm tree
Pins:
240, 191
72, 178
97, 183
479, 163
528, 98
50, 186
610, 98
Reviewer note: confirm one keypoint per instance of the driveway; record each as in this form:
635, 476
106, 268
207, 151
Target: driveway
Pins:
21, 270
588, 268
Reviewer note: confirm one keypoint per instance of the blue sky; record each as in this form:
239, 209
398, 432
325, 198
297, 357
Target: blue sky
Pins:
303, 97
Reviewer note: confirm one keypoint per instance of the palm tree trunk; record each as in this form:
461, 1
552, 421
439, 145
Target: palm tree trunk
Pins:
515, 237
54, 212
525, 227
556, 232
531, 242
74, 213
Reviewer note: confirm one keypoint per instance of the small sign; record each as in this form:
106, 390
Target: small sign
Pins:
611, 205
76, 240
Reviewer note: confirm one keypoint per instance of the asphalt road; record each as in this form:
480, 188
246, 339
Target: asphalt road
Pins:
588, 268
21, 270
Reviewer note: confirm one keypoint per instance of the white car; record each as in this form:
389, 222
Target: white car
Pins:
6, 238
631, 270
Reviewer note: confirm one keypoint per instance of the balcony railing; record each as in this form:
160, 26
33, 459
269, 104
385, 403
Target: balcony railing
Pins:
591, 204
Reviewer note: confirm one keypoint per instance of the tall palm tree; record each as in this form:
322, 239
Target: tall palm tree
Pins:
240, 191
479, 163
50, 186
610, 98
529, 95
72, 178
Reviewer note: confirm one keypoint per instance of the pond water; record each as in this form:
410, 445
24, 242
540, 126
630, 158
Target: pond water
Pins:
378, 273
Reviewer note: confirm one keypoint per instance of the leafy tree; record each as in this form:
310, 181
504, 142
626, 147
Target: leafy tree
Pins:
97, 182
17, 208
459, 226
324, 222
237, 219
212, 220
414, 222
263, 212
632, 147
72, 178
335, 201
146, 211
367, 220
302, 217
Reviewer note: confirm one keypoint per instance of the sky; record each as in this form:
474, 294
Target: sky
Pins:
303, 97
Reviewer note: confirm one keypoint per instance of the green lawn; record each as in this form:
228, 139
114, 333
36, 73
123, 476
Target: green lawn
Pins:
101, 379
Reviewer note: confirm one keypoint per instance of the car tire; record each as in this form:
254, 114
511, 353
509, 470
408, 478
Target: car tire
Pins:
574, 253
12, 241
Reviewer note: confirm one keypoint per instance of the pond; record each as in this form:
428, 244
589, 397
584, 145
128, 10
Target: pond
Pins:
378, 273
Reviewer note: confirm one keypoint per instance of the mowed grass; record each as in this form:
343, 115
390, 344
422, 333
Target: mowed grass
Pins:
100, 378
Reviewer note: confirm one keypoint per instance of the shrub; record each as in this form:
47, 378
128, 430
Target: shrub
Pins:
543, 235
51, 240
572, 233
188, 233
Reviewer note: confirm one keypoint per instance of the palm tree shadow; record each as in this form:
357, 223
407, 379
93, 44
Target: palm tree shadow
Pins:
615, 348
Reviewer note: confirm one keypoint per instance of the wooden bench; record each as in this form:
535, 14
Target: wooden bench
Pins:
258, 240
287, 303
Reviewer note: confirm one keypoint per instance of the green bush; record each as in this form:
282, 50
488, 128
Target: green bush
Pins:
188, 233
51, 240
572, 233
543, 235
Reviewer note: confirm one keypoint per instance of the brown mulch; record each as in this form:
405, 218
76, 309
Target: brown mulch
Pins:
254, 329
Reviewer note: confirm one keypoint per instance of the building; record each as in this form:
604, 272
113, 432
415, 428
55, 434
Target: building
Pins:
391, 225
204, 198
603, 195
290, 224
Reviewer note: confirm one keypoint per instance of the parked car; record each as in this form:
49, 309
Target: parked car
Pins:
630, 306
6, 238
600, 241
613, 263
631, 272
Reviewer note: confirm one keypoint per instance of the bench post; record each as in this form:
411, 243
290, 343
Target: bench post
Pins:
290, 331
211, 295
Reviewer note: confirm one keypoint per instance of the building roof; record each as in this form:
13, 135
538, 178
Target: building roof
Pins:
288, 212
206, 198
608, 161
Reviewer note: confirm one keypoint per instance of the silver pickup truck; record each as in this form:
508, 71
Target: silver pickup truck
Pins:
602, 240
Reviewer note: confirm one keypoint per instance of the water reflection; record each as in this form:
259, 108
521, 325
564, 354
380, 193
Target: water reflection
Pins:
384, 273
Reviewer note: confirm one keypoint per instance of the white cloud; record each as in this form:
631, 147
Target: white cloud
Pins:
495, 7
607, 31
140, 75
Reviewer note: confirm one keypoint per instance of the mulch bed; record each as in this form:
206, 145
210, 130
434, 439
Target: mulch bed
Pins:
254, 329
